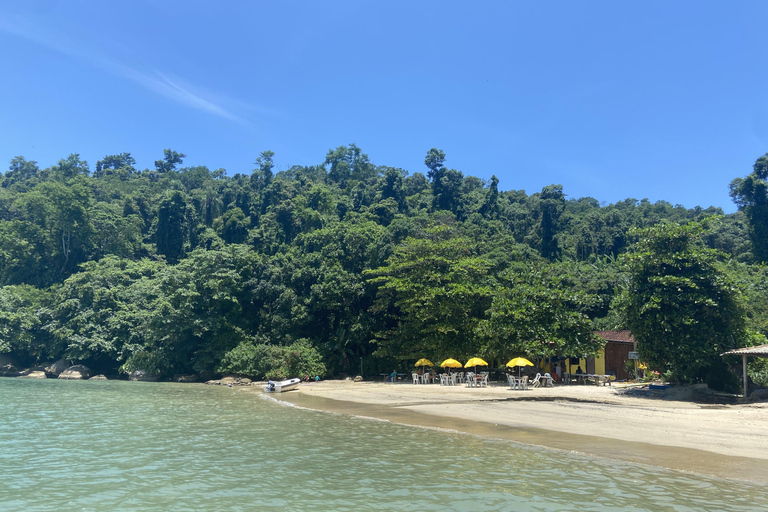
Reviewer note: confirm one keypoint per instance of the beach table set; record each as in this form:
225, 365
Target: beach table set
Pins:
517, 382
477, 380
451, 379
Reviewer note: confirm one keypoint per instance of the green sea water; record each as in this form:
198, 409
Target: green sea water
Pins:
114, 446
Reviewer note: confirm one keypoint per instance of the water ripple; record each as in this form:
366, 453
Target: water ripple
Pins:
118, 446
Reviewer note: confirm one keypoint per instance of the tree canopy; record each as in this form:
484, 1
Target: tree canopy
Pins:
179, 270
680, 304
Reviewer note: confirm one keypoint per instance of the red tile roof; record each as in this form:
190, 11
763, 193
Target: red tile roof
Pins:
621, 336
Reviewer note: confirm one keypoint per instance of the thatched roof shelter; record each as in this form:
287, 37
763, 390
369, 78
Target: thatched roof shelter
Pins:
757, 351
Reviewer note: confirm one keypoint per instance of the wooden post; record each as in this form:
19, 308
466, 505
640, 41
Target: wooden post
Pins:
744, 361
634, 349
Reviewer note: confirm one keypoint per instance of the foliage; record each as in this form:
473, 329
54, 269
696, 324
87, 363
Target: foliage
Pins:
177, 269
21, 321
432, 293
758, 371
751, 196
537, 317
261, 360
679, 303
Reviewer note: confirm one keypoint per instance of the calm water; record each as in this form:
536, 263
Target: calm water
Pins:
108, 446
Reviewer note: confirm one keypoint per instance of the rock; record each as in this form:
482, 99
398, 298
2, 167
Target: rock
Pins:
76, 372
186, 378
26, 372
230, 381
55, 369
759, 395
359, 378
99, 377
141, 376
34, 374
9, 370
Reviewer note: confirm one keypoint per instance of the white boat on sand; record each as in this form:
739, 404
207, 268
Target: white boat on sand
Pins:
281, 386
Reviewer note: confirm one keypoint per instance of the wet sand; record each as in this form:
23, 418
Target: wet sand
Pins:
728, 441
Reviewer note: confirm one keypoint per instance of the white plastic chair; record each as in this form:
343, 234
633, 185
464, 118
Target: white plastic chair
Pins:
443, 379
536, 381
484, 382
548, 381
470, 379
415, 378
524, 383
511, 381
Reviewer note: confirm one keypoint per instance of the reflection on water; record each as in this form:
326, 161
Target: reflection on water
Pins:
125, 446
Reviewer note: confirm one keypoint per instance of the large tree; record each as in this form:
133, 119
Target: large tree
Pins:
433, 292
537, 316
679, 303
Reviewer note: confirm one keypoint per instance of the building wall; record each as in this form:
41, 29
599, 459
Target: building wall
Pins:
616, 357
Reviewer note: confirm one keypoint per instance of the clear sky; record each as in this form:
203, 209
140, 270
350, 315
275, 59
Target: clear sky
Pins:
616, 99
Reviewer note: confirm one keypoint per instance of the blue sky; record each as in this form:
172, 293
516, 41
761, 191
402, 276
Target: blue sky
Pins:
658, 100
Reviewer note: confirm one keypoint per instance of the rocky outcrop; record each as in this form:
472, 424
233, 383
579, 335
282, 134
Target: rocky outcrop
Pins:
76, 372
9, 370
231, 381
98, 377
55, 369
33, 374
141, 376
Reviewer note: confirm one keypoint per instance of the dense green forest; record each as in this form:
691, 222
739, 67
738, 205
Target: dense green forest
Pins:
186, 270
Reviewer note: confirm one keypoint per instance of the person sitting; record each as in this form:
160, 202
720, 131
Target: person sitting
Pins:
392, 376
578, 370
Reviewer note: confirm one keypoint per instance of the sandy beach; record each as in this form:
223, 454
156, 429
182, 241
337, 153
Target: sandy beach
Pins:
722, 440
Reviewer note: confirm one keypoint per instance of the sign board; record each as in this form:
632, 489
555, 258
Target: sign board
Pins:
633, 355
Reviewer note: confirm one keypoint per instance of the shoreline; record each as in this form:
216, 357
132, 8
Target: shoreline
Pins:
724, 441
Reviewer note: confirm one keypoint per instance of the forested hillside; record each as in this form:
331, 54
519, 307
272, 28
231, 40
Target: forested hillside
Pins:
180, 270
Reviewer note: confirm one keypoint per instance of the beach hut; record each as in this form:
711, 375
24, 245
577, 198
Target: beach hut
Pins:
757, 351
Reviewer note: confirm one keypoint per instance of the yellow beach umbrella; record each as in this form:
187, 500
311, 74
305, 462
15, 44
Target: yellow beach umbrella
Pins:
451, 363
424, 362
519, 362
475, 361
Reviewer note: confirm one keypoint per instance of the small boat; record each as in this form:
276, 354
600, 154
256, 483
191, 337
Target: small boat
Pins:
281, 386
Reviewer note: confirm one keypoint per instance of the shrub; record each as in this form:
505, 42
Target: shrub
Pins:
719, 377
758, 371
257, 360
151, 362
254, 360
304, 359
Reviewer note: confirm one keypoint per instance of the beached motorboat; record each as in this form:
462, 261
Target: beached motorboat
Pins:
281, 386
